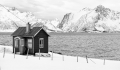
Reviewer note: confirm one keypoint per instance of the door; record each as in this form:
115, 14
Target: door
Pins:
21, 46
16, 45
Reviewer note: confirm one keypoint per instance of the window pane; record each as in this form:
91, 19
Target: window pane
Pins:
30, 40
30, 46
29, 43
22, 42
41, 44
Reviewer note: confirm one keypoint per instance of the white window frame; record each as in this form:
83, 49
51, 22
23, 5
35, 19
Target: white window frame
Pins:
22, 42
29, 43
42, 41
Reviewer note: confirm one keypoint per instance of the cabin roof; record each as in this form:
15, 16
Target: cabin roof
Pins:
21, 31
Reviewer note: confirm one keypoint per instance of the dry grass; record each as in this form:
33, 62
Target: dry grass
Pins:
94, 46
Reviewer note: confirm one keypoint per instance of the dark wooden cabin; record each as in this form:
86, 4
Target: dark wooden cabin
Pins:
25, 38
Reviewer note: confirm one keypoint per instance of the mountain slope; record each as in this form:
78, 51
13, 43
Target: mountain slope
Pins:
97, 19
11, 19
50, 26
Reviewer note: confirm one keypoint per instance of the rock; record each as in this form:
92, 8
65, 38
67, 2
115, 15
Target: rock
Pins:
42, 54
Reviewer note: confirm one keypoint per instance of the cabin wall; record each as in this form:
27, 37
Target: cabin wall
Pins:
41, 34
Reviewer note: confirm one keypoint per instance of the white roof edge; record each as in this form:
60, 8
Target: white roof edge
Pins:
40, 30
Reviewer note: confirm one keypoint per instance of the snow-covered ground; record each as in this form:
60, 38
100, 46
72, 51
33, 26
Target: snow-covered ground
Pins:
46, 63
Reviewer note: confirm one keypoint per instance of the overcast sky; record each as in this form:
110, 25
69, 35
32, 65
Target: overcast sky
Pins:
51, 9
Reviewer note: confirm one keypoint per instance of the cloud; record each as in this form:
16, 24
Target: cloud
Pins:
50, 10
58, 3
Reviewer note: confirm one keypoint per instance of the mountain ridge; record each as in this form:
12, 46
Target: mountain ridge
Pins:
99, 19
11, 18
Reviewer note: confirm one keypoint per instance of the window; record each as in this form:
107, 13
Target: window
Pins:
29, 43
22, 42
41, 43
16, 43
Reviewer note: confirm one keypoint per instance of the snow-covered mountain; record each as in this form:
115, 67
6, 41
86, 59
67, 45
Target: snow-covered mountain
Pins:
50, 26
98, 19
10, 22
11, 19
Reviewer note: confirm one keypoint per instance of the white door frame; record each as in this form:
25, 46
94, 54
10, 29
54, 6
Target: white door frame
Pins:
15, 40
42, 42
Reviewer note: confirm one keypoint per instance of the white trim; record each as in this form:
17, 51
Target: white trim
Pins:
15, 42
39, 31
41, 39
17, 37
33, 44
45, 31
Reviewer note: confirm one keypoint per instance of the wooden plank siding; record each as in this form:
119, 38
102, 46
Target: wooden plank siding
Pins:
41, 34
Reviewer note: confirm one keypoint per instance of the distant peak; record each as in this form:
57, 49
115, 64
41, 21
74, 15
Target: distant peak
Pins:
86, 9
100, 6
13, 8
102, 10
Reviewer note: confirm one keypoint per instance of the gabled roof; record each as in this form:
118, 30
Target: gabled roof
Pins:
21, 31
